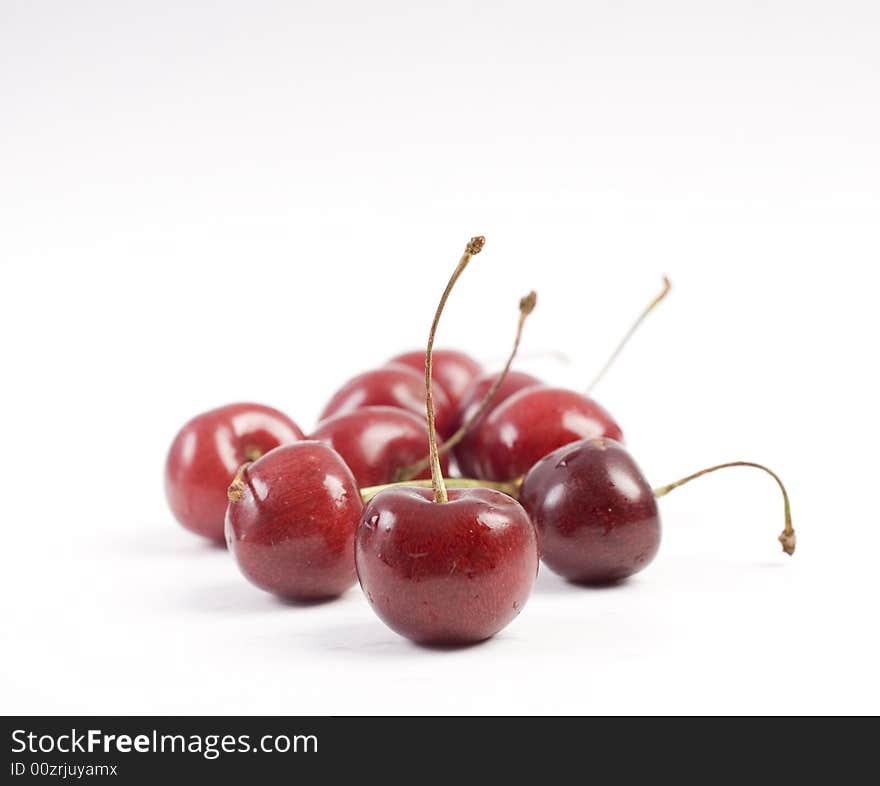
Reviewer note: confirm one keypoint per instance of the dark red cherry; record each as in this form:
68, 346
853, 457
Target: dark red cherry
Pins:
532, 423
454, 371
596, 515
291, 522
470, 404
446, 572
206, 454
376, 442
393, 385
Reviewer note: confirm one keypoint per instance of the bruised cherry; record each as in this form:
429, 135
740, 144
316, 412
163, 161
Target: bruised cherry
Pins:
377, 442
291, 521
392, 385
207, 452
532, 423
596, 515
454, 371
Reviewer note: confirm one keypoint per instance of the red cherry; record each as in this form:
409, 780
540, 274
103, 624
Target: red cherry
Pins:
471, 402
446, 573
483, 394
453, 370
291, 522
445, 567
596, 515
207, 452
393, 385
532, 423
376, 442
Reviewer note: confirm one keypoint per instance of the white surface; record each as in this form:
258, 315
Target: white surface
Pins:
256, 200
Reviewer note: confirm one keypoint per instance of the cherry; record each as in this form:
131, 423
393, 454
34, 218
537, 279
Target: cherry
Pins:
529, 425
596, 515
513, 382
444, 567
530, 420
446, 573
376, 442
393, 385
206, 453
482, 398
291, 521
453, 370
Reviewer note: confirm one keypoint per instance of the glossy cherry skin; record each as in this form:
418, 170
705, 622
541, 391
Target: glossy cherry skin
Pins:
446, 573
206, 454
292, 532
470, 403
454, 371
532, 423
376, 442
595, 513
393, 385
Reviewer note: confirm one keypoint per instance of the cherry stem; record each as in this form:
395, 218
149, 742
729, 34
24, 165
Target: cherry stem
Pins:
526, 307
474, 246
667, 285
556, 355
787, 538
510, 488
236, 489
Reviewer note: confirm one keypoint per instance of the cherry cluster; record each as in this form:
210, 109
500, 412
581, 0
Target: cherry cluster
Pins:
367, 495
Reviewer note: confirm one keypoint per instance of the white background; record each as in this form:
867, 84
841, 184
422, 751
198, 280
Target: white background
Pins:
208, 202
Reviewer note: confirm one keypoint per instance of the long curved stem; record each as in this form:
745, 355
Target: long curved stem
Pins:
667, 285
510, 488
474, 246
526, 306
787, 538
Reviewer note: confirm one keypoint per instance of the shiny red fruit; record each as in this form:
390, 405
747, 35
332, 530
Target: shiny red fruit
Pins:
446, 573
393, 385
376, 442
595, 513
206, 454
292, 530
533, 423
470, 403
454, 371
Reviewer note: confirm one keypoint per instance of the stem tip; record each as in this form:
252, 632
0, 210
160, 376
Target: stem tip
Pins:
475, 246
788, 541
236, 490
